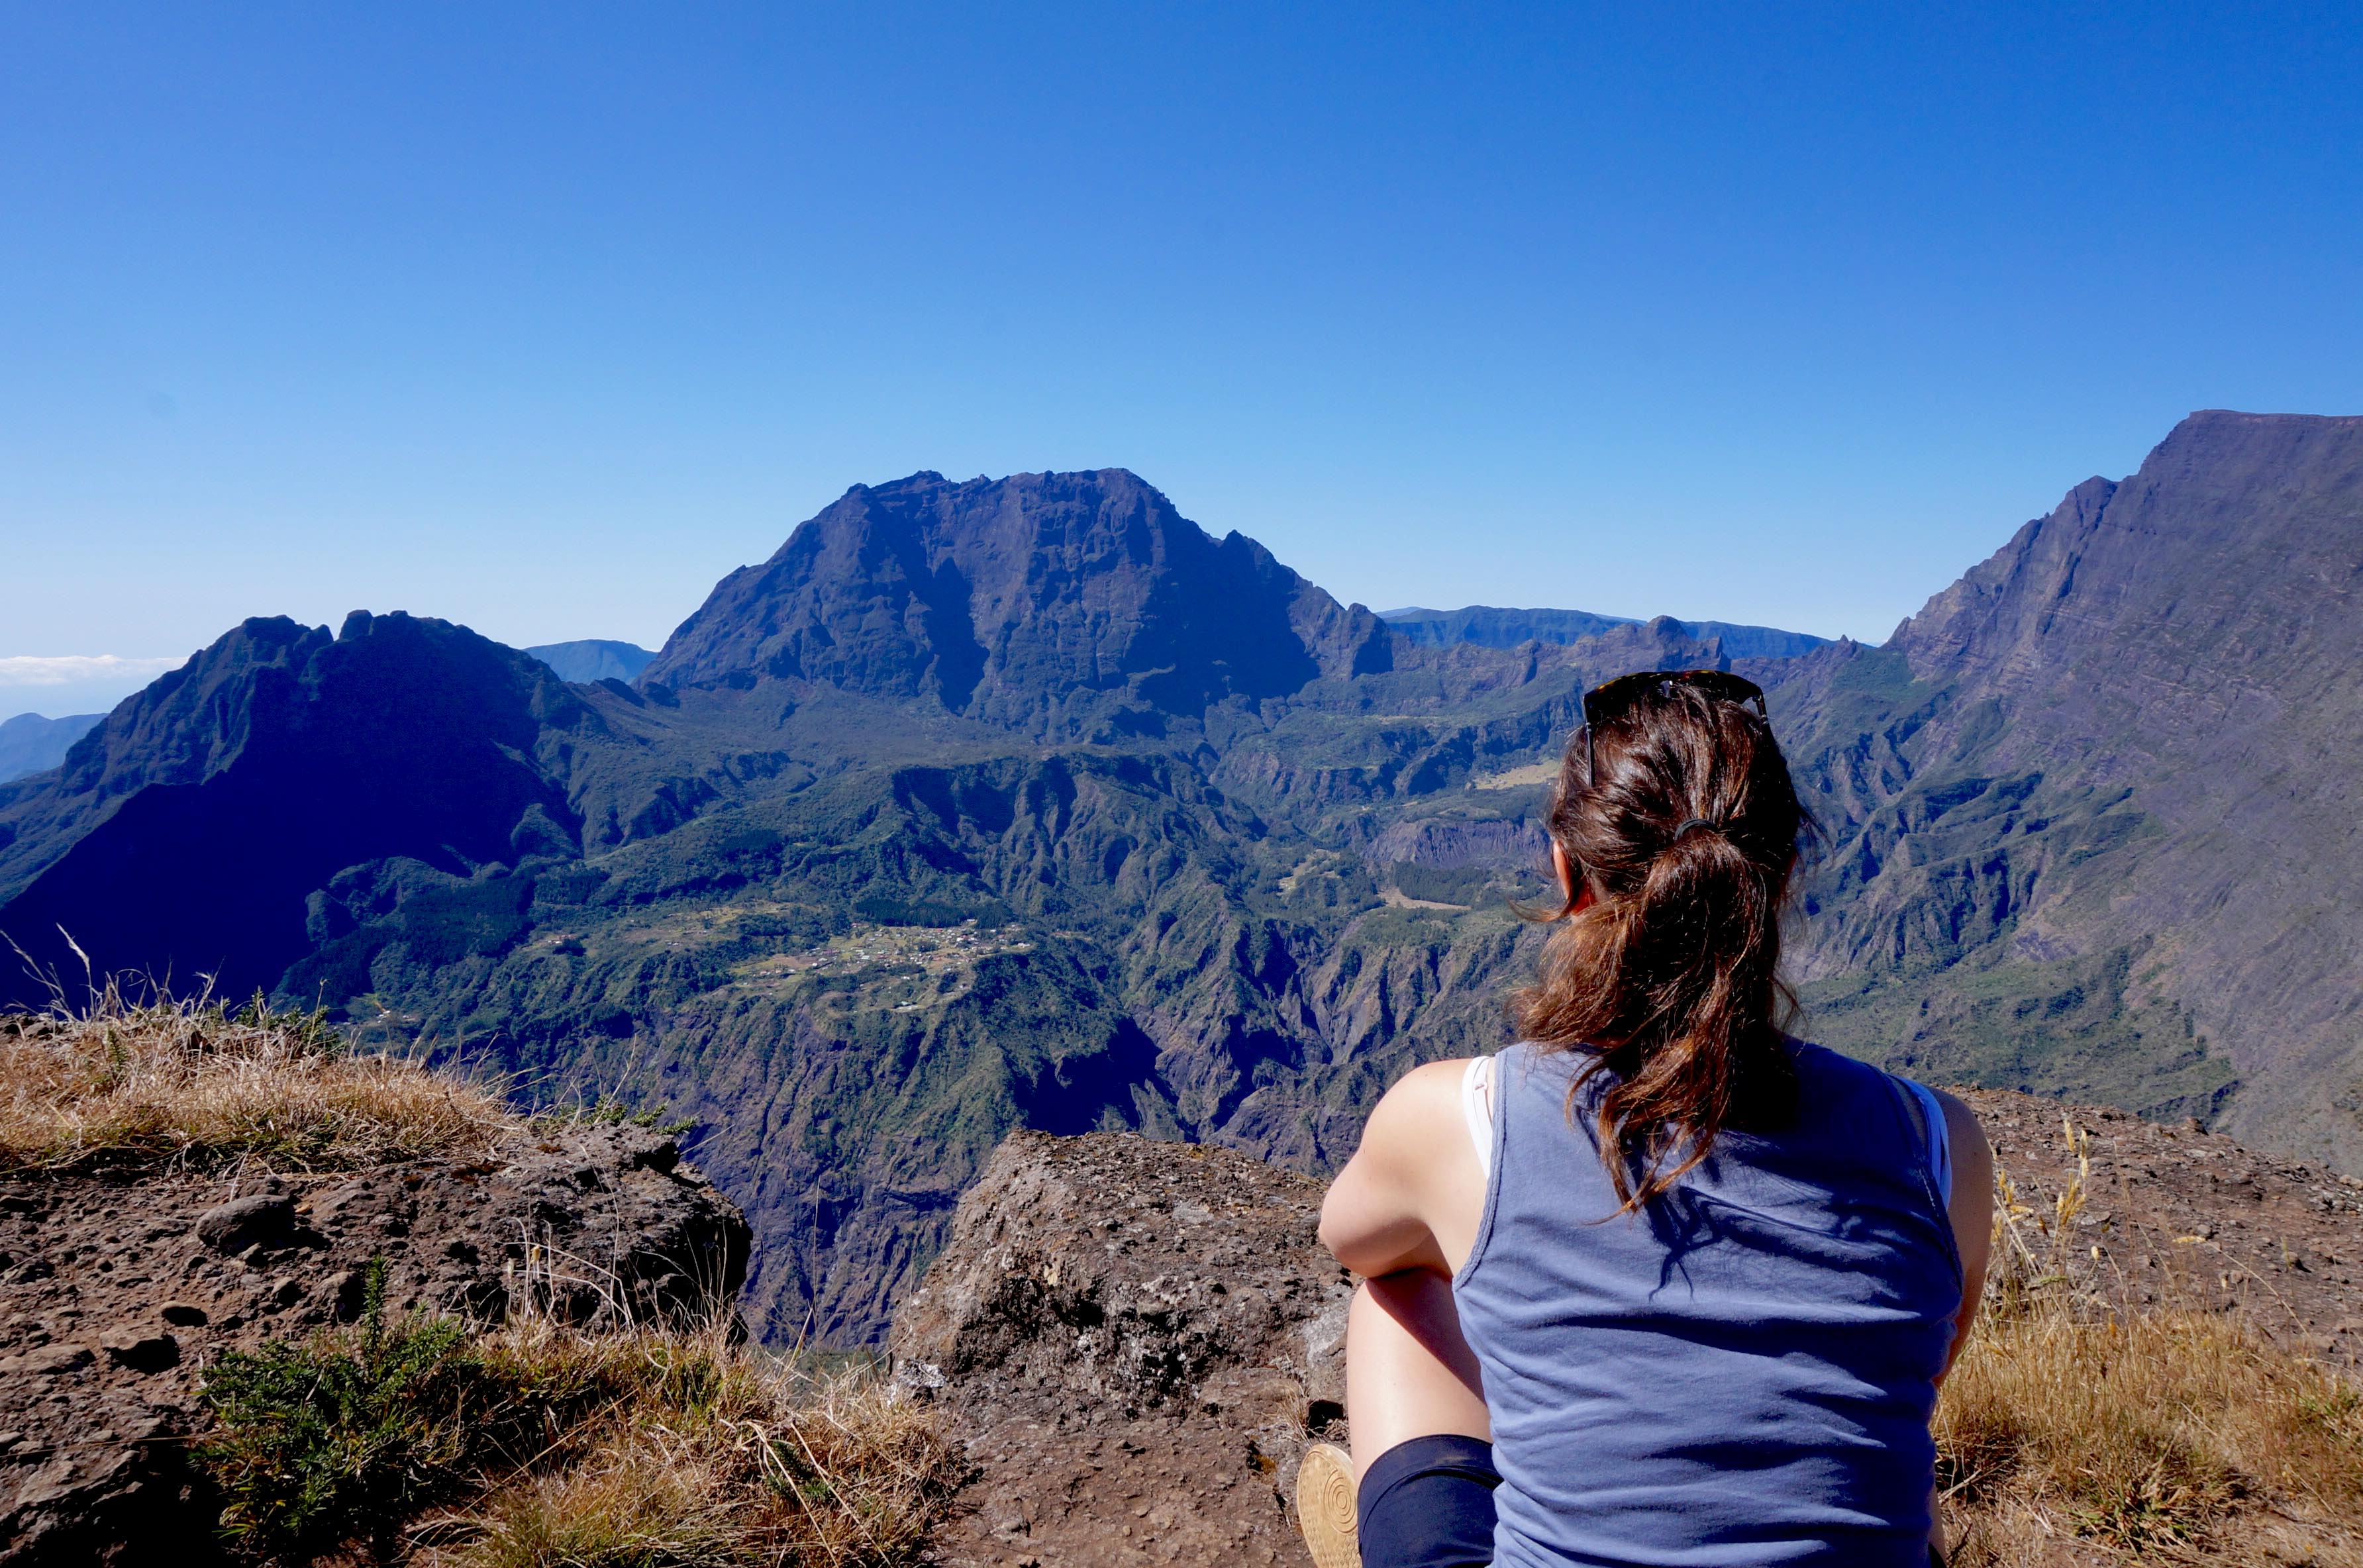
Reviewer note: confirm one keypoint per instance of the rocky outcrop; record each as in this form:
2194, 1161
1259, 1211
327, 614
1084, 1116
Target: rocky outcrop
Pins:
1134, 1338
118, 1292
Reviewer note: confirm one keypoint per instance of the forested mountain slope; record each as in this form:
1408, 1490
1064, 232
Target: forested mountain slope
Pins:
1028, 802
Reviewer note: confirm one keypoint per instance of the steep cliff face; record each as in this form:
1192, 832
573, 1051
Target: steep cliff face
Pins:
1062, 604
2092, 801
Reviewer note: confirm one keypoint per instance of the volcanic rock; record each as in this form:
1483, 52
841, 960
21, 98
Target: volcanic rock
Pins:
116, 1294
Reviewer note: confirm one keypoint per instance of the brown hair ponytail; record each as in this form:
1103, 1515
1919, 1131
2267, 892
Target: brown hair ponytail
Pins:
1669, 975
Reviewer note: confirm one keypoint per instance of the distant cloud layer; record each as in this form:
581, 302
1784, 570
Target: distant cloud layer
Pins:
71, 669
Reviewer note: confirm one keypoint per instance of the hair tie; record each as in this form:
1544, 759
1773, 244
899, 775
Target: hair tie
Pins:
1697, 822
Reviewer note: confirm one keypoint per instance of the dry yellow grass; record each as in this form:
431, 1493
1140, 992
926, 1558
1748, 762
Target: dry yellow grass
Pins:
543, 1445
2080, 1428
707, 1455
163, 1080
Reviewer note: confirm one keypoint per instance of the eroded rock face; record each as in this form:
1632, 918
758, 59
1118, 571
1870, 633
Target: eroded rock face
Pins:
1134, 1338
118, 1292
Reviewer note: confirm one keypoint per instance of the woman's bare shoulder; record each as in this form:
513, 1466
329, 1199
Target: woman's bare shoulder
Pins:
1426, 1097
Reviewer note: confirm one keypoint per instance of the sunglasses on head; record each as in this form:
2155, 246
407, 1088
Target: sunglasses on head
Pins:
1612, 700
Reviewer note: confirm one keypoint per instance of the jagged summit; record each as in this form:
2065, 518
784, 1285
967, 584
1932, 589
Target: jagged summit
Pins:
1044, 601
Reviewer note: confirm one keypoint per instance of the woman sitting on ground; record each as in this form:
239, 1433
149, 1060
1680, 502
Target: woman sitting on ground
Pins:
1660, 1284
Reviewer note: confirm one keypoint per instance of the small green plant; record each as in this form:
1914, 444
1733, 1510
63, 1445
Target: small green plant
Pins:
611, 1111
542, 1445
341, 1437
303, 1034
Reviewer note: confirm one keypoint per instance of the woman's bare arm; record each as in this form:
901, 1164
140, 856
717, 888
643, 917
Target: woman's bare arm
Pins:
1411, 1196
1971, 1211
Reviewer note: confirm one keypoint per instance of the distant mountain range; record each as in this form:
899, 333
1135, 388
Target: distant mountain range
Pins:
1490, 628
594, 659
1029, 802
31, 744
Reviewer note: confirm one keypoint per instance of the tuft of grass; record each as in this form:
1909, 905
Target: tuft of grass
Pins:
718, 1461
2142, 1431
165, 1080
542, 1445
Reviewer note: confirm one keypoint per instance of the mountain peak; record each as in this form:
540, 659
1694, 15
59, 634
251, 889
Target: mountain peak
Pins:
2226, 499
1058, 603
200, 814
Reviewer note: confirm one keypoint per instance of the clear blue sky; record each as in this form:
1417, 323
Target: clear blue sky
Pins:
543, 318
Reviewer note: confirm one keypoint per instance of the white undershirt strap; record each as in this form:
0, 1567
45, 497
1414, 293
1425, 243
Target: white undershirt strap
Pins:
1476, 1108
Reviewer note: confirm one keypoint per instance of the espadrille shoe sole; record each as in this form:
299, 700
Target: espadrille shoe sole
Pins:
1324, 1506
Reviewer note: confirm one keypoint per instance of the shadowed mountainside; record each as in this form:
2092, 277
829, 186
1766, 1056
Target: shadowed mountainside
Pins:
1029, 803
188, 832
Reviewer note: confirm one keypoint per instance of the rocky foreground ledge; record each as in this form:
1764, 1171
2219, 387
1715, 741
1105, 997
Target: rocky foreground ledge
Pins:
1136, 1341
117, 1289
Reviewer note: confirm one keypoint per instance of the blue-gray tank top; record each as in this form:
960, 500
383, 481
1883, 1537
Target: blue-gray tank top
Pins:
1741, 1375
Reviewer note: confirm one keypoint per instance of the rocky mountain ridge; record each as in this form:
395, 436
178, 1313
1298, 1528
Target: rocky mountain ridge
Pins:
1029, 803
2106, 763
1491, 626
590, 660
30, 742
1064, 604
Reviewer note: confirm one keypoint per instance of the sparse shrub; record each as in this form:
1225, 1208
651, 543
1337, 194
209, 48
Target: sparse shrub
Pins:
608, 1110
343, 1436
